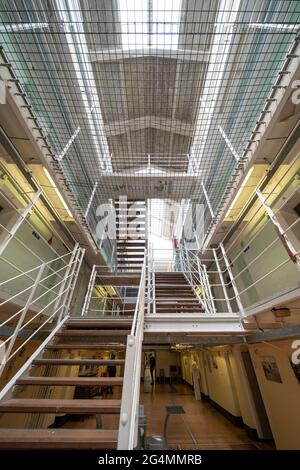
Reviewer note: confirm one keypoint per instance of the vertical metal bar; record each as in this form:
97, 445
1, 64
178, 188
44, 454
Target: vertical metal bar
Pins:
67, 293
126, 407
208, 201
73, 279
286, 242
203, 289
154, 291
104, 305
131, 386
5, 392
89, 291
11, 233
21, 319
211, 299
91, 199
232, 280
187, 268
202, 284
222, 281
63, 284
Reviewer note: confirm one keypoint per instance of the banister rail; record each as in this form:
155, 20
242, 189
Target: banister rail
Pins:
55, 305
128, 426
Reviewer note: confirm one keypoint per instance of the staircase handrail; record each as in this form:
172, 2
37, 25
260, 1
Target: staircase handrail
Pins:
128, 426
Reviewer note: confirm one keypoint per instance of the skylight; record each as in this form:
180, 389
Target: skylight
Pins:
134, 23
145, 25
165, 23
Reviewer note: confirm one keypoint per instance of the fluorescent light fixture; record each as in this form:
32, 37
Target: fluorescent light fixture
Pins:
11, 28
71, 18
216, 73
57, 192
278, 26
240, 190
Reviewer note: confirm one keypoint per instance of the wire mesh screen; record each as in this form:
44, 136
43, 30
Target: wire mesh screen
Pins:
138, 95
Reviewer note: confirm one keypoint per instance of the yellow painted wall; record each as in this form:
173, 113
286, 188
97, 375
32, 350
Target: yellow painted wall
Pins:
164, 359
244, 394
282, 400
220, 383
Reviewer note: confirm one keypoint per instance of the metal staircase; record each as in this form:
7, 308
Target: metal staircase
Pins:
76, 343
131, 234
175, 295
73, 347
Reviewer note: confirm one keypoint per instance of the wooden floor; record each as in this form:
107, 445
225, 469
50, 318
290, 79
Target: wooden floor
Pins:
201, 427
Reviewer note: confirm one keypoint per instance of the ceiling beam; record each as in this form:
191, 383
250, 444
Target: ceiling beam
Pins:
145, 122
276, 334
116, 54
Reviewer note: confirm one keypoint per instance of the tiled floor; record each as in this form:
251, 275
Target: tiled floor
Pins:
201, 427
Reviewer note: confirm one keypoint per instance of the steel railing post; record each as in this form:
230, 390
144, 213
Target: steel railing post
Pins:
222, 281
64, 283
286, 242
127, 436
89, 291
232, 280
11, 233
21, 319
72, 280
210, 296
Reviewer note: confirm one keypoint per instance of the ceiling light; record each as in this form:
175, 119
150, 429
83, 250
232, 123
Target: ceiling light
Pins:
240, 190
57, 192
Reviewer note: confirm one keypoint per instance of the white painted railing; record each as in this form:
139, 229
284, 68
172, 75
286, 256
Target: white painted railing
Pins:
45, 305
110, 297
128, 427
186, 262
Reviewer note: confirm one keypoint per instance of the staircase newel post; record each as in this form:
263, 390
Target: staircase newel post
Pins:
89, 291
66, 282
126, 407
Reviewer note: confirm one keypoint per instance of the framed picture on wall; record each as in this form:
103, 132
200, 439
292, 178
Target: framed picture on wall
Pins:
270, 368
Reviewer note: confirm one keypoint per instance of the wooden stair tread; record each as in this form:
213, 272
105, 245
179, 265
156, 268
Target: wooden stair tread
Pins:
180, 295
58, 438
178, 306
101, 324
97, 381
131, 256
81, 362
94, 333
100, 347
131, 250
131, 262
130, 244
169, 301
171, 286
169, 310
40, 405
